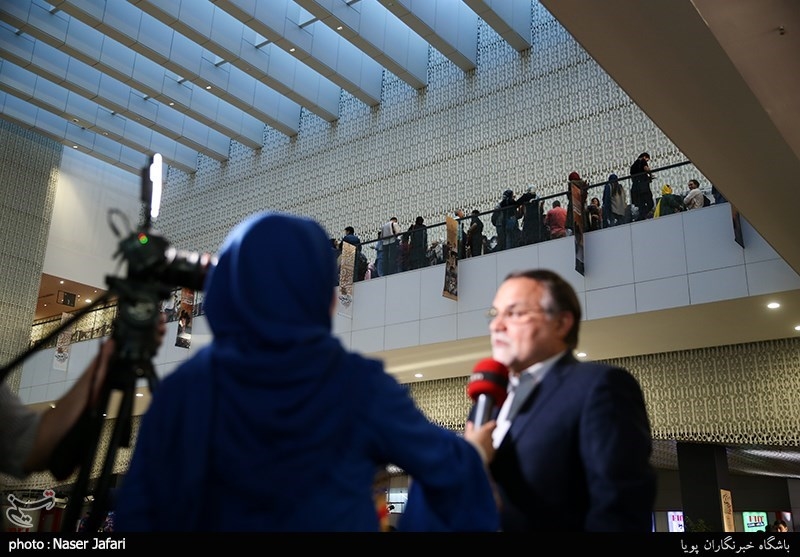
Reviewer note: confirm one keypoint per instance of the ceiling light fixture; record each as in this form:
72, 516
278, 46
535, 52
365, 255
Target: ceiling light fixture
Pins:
418, 375
773, 305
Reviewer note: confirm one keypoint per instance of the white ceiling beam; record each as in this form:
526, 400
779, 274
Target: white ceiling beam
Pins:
90, 116
28, 116
158, 43
316, 45
378, 33
114, 96
116, 61
511, 19
448, 25
228, 38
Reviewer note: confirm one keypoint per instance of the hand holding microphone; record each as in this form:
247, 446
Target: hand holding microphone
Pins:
487, 387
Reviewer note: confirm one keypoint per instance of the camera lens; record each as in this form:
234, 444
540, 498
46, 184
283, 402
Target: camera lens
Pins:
186, 268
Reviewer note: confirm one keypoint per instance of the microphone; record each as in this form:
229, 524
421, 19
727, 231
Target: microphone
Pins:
488, 388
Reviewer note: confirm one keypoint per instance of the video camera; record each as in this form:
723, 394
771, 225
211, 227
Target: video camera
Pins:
154, 270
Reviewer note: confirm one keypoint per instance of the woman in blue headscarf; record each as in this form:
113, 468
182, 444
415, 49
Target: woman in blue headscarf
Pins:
275, 426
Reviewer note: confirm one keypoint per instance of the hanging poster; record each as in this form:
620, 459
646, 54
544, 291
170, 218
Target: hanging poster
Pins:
737, 226
185, 313
727, 510
347, 261
578, 198
451, 260
61, 357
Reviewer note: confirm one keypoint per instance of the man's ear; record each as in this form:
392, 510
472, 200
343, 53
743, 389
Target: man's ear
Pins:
566, 321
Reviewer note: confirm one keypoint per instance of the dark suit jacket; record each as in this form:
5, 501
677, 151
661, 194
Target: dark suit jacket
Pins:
577, 455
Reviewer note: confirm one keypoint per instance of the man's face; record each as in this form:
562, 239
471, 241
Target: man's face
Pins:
522, 332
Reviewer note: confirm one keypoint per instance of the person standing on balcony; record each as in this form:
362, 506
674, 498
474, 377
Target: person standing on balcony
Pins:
614, 202
695, 198
418, 233
556, 221
361, 263
391, 246
510, 217
532, 210
641, 195
475, 235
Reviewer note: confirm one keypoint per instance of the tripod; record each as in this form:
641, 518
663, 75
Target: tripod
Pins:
135, 337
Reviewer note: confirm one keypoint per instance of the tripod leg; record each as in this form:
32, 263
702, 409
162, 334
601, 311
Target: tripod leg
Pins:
122, 428
86, 436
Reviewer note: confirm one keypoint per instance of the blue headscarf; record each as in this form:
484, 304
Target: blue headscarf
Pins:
273, 283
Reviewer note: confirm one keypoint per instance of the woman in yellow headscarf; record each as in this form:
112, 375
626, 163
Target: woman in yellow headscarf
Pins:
668, 203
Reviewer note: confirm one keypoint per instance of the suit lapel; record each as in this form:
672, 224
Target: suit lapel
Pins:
543, 388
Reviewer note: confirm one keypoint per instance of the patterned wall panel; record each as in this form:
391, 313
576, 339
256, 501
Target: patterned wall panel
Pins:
736, 394
28, 177
518, 119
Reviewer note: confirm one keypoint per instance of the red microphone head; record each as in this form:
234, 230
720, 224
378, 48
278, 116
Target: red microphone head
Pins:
490, 378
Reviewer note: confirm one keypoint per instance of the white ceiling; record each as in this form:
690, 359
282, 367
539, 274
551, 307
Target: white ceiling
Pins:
719, 78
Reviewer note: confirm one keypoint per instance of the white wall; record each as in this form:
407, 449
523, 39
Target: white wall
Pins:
81, 244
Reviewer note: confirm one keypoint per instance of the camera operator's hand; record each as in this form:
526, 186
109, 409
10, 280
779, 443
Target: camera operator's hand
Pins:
56, 422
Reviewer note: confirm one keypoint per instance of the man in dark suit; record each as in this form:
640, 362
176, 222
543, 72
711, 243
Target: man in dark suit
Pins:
573, 452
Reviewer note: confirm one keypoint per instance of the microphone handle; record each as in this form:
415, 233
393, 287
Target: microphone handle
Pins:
483, 410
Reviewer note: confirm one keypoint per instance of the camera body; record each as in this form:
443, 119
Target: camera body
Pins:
154, 270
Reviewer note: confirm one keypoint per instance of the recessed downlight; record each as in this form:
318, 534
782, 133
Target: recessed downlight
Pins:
773, 305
